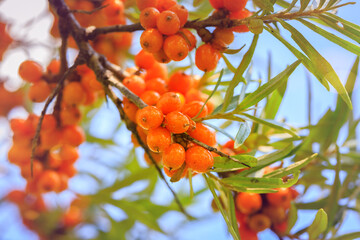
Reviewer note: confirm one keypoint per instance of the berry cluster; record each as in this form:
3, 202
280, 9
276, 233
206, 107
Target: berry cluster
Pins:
164, 36
60, 134
111, 45
9, 100
257, 212
5, 39
172, 103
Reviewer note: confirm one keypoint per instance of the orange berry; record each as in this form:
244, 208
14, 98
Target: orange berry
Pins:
64, 179
150, 97
49, 123
176, 47
246, 233
130, 109
142, 4
156, 156
172, 172
114, 12
217, 4
148, 17
174, 156
73, 135
240, 15
195, 95
70, 115
248, 203
282, 198
48, 181
135, 84
168, 23
89, 82
72, 217
74, 94
16, 196
37, 169
189, 37
39, 91
161, 56
176, 122
180, 82
206, 57
50, 139
54, 67
151, 40
235, 5
181, 12
149, 117
224, 34
158, 139
199, 159
192, 124
203, 134
280, 228
169, 102
30, 71
163, 5
158, 70
68, 154
276, 214
259, 222
54, 160
68, 169
144, 59
156, 84
193, 108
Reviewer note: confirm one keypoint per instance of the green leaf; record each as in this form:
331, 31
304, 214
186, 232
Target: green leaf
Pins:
348, 236
264, 4
292, 217
224, 164
270, 123
274, 101
238, 76
232, 210
305, 60
283, 3
233, 51
319, 224
243, 132
320, 62
233, 103
196, 3
282, 172
267, 88
270, 158
334, 38
236, 181
228, 63
304, 4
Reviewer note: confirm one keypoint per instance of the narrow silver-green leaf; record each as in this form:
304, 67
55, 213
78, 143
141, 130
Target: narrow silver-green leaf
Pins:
267, 88
233, 51
282, 172
264, 4
283, 3
242, 134
304, 4
319, 224
335, 39
321, 63
292, 217
228, 63
238, 76
224, 164
348, 236
270, 158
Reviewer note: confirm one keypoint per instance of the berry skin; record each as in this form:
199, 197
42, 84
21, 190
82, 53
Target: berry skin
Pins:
165, 4
135, 84
259, 222
240, 15
217, 4
73, 135
280, 228
176, 47
148, 17
142, 4
223, 34
246, 233
176, 122
26, 169
158, 139
48, 181
203, 134
72, 217
282, 198
248, 203
174, 156
151, 40
156, 156
54, 67
156, 84
161, 56
199, 159
158, 70
181, 12
189, 37
30, 71
130, 109
150, 97
149, 117
193, 108
144, 59
169, 102
69, 154
39, 91
235, 5
168, 23
276, 214
206, 57
180, 82
74, 94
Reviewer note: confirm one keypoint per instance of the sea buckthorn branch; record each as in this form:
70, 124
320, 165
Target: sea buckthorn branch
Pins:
131, 126
217, 21
212, 149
